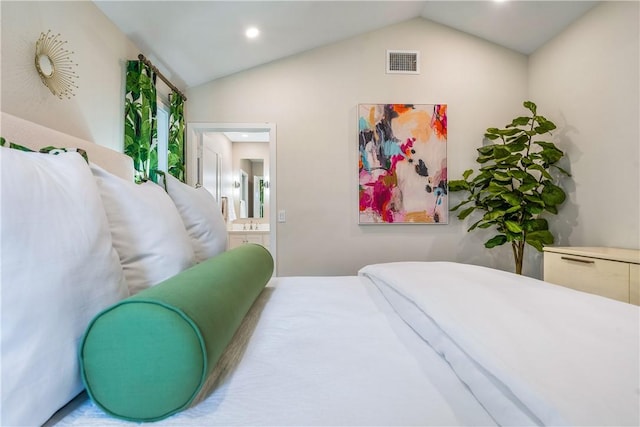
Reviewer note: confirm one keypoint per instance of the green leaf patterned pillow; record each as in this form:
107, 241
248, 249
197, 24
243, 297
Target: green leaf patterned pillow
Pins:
4, 143
45, 150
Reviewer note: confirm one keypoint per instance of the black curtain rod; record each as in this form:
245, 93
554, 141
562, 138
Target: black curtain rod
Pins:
159, 74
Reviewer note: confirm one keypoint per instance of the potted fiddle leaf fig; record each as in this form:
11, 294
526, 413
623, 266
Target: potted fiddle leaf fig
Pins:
513, 186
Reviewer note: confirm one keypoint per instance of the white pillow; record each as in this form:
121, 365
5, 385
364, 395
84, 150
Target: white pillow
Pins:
202, 218
59, 269
147, 231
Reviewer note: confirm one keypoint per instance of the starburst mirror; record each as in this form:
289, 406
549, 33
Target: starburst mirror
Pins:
55, 66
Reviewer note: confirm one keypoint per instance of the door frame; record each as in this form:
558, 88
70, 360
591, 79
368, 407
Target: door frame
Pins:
193, 160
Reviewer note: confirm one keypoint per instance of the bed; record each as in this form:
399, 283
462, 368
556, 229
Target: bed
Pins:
405, 343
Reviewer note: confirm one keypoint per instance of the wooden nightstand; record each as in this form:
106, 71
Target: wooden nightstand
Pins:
609, 272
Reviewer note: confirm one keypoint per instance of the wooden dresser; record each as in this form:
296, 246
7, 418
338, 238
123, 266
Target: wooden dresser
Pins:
609, 272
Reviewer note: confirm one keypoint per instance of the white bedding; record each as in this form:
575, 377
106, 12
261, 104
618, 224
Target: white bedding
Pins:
560, 357
328, 351
425, 344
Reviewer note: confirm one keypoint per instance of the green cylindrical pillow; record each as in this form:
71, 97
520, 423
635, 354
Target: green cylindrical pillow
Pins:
149, 356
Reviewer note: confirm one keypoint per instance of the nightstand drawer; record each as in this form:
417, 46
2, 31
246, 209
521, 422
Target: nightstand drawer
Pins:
597, 276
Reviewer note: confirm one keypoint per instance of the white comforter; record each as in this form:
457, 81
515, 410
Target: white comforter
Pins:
531, 352
328, 351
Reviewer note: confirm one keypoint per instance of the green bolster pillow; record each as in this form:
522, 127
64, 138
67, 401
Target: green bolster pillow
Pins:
148, 356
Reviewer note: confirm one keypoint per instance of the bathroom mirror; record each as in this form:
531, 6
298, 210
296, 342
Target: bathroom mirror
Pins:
252, 188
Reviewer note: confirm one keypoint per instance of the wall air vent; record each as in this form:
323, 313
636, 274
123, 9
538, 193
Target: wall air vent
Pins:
403, 62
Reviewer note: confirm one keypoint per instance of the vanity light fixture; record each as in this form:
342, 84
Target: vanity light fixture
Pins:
54, 65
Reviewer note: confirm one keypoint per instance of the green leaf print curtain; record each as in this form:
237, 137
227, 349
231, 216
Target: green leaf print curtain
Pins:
176, 136
140, 131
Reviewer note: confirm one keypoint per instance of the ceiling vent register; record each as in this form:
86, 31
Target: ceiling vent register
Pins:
403, 62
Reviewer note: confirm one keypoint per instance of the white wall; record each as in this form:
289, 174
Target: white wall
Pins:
587, 80
312, 97
216, 142
96, 113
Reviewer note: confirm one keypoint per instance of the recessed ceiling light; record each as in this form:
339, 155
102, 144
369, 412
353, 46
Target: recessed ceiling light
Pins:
252, 32
245, 135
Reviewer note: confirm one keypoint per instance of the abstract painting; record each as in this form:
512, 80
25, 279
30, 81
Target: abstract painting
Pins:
403, 163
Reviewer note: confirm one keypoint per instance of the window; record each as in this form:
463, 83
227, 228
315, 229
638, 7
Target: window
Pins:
163, 136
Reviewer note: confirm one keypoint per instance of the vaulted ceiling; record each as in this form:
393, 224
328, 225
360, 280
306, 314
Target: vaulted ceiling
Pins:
193, 42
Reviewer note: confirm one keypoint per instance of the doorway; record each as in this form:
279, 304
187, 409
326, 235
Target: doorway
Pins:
198, 136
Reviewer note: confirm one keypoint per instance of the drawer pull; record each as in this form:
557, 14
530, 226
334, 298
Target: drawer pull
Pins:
584, 261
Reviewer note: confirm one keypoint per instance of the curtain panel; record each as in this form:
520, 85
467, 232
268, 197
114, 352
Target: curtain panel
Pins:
176, 137
140, 127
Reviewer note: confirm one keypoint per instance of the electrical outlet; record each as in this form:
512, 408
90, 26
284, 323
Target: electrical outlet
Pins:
282, 216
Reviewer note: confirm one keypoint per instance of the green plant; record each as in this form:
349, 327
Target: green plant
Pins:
514, 186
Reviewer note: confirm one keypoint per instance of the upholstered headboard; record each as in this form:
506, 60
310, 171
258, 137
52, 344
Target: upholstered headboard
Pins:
35, 136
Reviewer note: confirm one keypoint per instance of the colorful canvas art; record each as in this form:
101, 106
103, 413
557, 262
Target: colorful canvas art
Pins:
403, 163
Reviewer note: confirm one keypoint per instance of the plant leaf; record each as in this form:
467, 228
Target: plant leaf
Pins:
501, 176
551, 155
544, 127
480, 179
552, 195
528, 186
511, 161
534, 198
562, 170
458, 185
538, 239
542, 170
475, 224
484, 159
465, 213
498, 240
512, 226
500, 152
518, 174
496, 188
546, 144
521, 121
493, 215
459, 205
509, 132
518, 144
486, 150
534, 209
537, 224
512, 198
530, 106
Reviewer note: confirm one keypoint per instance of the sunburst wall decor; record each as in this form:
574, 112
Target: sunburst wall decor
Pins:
54, 65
